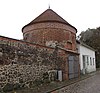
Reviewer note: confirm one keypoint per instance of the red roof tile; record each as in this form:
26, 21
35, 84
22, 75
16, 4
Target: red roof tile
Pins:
49, 16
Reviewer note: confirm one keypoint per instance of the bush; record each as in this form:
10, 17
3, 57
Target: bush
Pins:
37, 82
17, 86
0, 90
8, 87
46, 78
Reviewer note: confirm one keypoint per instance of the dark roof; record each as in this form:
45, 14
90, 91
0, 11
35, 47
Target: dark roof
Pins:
85, 45
49, 16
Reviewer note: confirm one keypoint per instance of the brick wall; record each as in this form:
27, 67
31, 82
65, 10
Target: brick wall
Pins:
51, 34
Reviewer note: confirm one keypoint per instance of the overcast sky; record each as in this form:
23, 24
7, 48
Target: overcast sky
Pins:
14, 14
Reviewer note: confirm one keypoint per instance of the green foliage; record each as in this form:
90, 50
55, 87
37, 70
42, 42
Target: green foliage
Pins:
37, 82
17, 86
46, 78
1, 90
91, 37
8, 87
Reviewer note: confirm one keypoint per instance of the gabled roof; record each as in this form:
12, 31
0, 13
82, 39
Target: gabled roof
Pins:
49, 16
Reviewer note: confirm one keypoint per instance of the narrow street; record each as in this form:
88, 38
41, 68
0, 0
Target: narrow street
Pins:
89, 85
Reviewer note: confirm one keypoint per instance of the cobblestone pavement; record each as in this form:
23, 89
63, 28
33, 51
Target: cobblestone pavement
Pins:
89, 85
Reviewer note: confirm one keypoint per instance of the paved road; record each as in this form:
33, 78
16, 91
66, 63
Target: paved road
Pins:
90, 85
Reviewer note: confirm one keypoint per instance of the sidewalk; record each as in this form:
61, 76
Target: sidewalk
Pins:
72, 81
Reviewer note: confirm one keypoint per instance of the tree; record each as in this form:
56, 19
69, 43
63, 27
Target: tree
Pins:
91, 37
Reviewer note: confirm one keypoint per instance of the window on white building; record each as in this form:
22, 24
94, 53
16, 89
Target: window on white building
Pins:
87, 60
90, 61
93, 61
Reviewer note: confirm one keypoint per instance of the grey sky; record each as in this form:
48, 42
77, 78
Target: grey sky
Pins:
14, 14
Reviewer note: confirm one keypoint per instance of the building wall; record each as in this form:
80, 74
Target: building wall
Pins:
22, 62
84, 51
51, 34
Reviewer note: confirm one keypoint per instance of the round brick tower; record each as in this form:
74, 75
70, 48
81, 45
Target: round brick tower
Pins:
49, 29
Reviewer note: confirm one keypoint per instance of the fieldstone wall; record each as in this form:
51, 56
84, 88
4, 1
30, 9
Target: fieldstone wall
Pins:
23, 63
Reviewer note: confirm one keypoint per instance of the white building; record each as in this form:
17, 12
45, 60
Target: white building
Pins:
87, 58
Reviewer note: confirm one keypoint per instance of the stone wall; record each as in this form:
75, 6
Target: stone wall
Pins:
22, 62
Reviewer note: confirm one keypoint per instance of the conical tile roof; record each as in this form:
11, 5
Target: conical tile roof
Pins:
49, 16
